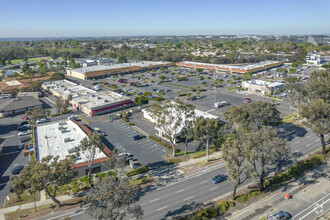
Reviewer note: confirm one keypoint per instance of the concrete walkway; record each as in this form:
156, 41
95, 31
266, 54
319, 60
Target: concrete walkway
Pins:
306, 192
3, 211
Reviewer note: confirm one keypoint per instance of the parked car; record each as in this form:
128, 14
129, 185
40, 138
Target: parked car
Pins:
24, 139
23, 133
23, 127
17, 169
42, 120
24, 123
138, 137
21, 146
247, 100
74, 117
24, 117
219, 178
11, 189
101, 133
125, 154
279, 215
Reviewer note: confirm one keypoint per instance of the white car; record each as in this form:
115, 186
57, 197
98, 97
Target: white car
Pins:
74, 117
42, 120
22, 133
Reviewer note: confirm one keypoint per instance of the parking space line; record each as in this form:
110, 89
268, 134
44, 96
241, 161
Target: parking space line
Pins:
149, 147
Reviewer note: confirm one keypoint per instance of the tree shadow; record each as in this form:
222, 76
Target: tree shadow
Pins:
290, 131
185, 209
45, 105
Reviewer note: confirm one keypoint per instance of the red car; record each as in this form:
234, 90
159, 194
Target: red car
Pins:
24, 117
247, 100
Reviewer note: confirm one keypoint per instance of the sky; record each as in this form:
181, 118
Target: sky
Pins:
98, 18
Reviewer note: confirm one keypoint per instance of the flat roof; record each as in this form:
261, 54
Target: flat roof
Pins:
118, 66
10, 104
50, 141
239, 66
84, 95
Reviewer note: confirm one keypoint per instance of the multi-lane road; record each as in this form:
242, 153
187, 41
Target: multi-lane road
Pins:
188, 191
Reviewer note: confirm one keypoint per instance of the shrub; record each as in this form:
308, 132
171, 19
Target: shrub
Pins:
139, 170
231, 203
53, 114
160, 142
175, 161
318, 159
111, 173
242, 198
131, 124
223, 206
255, 193
75, 189
101, 175
124, 119
83, 179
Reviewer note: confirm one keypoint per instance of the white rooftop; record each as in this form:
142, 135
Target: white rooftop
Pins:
242, 67
84, 95
118, 65
50, 141
13, 83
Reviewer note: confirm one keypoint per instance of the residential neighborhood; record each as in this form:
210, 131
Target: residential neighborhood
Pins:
164, 126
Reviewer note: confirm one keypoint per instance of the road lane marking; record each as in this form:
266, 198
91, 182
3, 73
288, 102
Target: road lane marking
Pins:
154, 200
204, 182
161, 208
308, 145
297, 142
9, 136
316, 140
188, 198
308, 136
180, 190
213, 188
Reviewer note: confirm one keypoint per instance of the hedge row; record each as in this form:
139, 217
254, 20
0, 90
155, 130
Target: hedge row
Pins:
210, 212
246, 197
160, 142
296, 170
139, 170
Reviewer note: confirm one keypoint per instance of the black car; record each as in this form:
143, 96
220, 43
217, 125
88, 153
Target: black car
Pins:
24, 139
17, 169
21, 146
23, 127
138, 137
24, 123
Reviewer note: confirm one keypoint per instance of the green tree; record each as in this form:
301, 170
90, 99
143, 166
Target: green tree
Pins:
112, 198
234, 156
199, 70
206, 130
146, 94
89, 146
188, 120
161, 77
317, 118
48, 174
263, 148
25, 67
141, 100
122, 59
25, 58
35, 114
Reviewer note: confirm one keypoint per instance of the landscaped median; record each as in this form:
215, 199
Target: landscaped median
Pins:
251, 194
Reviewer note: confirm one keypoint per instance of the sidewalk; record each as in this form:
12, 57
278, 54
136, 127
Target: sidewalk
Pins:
307, 194
31, 205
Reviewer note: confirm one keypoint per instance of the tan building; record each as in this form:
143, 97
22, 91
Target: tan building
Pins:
262, 87
86, 100
101, 71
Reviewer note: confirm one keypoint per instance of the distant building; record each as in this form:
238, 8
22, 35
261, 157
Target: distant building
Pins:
15, 106
101, 71
313, 58
262, 87
87, 100
235, 69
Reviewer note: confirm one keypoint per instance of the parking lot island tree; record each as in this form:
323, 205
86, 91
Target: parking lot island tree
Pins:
89, 146
206, 130
35, 114
168, 116
141, 100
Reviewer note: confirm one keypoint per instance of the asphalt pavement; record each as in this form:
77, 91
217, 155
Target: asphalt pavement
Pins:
184, 192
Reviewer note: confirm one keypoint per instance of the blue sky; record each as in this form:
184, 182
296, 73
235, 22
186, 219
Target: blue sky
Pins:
81, 18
